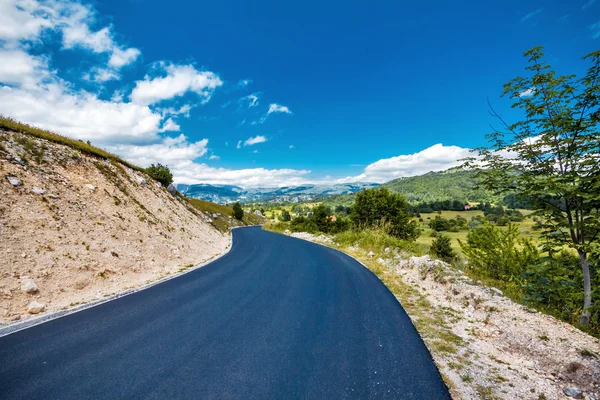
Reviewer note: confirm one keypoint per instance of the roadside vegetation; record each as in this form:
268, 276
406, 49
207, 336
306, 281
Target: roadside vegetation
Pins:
224, 217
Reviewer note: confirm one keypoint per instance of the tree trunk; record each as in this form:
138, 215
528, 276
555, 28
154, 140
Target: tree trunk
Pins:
587, 288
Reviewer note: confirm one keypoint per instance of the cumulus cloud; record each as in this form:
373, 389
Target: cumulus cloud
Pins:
190, 173
169, 151
177, 80
120, 57
435, 158
31, 91
26, 20
254, 140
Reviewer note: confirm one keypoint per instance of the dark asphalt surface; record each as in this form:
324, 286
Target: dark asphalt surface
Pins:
275, 318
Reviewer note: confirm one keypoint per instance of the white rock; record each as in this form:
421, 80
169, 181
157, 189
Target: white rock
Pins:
38, 190
172, 189
90, 186
497, 291
28, 285
53, 196
142, 181
35, 308
13, 180
371, 254
287, 232
387, 250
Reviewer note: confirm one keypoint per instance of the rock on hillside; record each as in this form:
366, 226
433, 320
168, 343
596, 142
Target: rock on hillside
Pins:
75, 228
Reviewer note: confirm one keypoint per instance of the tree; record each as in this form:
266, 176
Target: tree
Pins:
551, 156
161, 173
442, 248
285, 216
380, 207
238, 213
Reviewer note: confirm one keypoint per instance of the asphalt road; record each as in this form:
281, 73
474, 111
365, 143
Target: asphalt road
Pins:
275, 318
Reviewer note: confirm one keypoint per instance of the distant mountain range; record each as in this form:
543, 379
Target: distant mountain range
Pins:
228, 193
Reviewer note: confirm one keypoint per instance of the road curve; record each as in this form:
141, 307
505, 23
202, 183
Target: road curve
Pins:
275, 318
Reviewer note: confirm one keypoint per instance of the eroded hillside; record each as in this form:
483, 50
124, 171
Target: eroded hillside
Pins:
75, 228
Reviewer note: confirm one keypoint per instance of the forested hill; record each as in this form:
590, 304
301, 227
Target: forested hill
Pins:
452, 184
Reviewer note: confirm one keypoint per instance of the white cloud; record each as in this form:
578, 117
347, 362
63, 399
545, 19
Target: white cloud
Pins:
273, 109
527, 92
190, 173
170, 126
276, 108
239, 145
102, 75
214, 157
20, 68
531, 14
26, 20
169, 151
251, 100
120, 58
179, 80
254, 140
242, 83
292, 146
435, 158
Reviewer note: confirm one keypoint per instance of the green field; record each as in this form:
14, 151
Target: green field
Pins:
526, 227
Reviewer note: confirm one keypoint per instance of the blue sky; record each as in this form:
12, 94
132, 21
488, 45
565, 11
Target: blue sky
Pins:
272, 93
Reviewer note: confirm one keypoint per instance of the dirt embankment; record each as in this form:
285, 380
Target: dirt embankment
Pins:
75, 228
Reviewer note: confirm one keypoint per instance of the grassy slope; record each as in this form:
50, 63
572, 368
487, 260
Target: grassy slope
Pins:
453, 184
223, 223
12, 125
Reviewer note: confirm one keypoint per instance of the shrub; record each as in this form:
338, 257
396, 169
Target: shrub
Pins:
285, 216
442, 249
238, 213
378, 206
161, 173
497, 253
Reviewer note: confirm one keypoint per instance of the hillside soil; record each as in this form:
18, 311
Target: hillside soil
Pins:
485, 345
76, 228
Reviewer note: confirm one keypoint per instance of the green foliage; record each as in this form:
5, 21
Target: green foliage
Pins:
375, 239
161, 173
453, 184
321, 220
285, 216
556, 144
556, 286
442, 248
499, 253
440, 224
238, 213
374, 207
